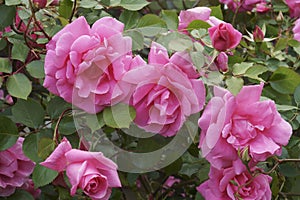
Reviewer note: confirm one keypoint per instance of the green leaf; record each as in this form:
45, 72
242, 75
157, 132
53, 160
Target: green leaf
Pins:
285, 107
42, 176
20, 194
198, 59
254, 71
45, 147
12, 2
95, 122
137, 39
241, 68
5, 65
7, 15
19, 51
180, 44
297, 95
65, 8
36, 69
88, 3
133, 4
8, 133
284, 80
216, 11
119, 116
31, 143
281, 44
18, 85
234, 84
171, 18
198, 24
129, 18
29, 113
67, 126
151, 25
56, 107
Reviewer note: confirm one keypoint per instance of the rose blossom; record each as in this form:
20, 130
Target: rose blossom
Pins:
296, 30
294, 6
165, 91
242, 122
222, 62
90, 171
83, 64
224, 36
243, 5
15, 168
226, 184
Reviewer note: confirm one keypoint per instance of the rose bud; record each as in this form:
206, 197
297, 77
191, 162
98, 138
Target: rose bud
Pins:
258, 34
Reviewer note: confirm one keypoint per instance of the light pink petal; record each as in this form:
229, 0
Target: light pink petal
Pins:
158, 54
109, 22
75, 172
57, 160
249, 94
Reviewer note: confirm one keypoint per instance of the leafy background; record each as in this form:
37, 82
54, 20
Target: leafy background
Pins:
38, 115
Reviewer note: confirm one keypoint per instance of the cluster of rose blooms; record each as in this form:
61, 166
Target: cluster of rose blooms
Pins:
94, 67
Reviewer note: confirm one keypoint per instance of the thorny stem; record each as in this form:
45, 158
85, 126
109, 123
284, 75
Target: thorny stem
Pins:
73, 11
55, 135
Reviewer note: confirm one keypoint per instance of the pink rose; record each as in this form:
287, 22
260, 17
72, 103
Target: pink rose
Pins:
165, 91
224, 36
294, 6
90, 171
242, 5
262, 7
296, 30
15, 168
170, 182
258, 34
83, 64
242, 122
198, 13
222, 62
226, 184
29, 187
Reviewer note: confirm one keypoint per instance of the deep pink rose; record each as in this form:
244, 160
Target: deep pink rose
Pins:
294, 6
227, 184
262, 7
224, 36
296, 30
83, 64
15, 168
92, 172
29, 187
222, 62
242, 5
243, 122
40, 3
165, 91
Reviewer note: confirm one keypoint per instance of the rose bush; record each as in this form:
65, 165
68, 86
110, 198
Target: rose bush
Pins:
241, 123
90, 171
15, 168
246, 5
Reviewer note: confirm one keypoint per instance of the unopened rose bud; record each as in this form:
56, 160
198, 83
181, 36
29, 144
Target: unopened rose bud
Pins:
222, 62
279, 17
54, 3
40, 3
258, 34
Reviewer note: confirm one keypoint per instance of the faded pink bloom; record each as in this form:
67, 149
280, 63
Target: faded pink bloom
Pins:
83, 64
296, 30
243, 122
222, 62
258, 34
198, 13
294, 6
165, 91
227, 184
224, 36
15, 168
29, 187
90, 171
262, 7
243, 5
